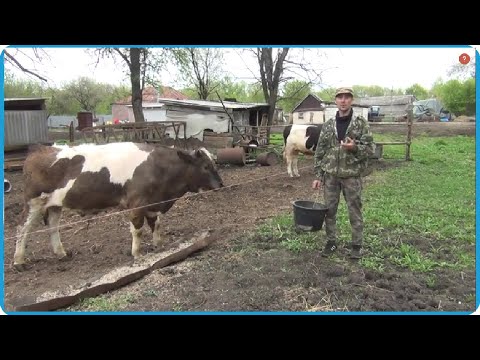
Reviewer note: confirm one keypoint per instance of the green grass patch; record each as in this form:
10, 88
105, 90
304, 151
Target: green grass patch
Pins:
419, 216
282, 229
106, 303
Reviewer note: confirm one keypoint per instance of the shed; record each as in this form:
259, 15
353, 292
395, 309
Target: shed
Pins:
313, 110
204, 115
309, 110
25, 122
390, 106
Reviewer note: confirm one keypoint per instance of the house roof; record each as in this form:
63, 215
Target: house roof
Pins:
326, 103
151, 95
312, 95
206, 104
387, 100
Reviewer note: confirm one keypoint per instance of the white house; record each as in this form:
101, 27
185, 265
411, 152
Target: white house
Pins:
313, 110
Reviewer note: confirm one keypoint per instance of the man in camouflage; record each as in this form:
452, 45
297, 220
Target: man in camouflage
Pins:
344, 146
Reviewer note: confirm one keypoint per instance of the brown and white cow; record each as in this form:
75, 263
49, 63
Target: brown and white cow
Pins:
299, 139
92, 177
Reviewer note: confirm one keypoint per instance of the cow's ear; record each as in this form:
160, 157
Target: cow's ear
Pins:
188, 158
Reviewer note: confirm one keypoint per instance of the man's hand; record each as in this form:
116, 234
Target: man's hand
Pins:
348, 144
316, 184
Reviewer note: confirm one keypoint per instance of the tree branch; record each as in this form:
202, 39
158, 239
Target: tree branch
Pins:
12, 59
124, 57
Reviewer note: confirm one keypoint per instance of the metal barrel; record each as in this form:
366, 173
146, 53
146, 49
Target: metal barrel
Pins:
6, 186
231, 156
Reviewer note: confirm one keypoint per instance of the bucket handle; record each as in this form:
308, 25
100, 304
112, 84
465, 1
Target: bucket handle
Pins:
319, 196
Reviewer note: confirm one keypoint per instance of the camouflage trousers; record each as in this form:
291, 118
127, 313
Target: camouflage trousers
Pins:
352, 192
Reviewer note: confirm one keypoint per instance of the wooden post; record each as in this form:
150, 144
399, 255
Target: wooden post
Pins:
71, 132
409, 131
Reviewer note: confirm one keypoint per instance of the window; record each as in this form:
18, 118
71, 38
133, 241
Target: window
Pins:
300, 116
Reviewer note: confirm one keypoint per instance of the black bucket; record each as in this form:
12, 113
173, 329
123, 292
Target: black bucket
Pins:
308, 215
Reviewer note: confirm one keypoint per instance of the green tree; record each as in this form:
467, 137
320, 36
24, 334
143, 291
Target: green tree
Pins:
111, 95
458, 96
61, 102
255, 93
87, 92
418, 91
14, 87
229, 89
293, 92
327, 94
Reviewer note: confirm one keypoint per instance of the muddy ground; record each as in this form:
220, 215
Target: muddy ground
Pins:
240, 271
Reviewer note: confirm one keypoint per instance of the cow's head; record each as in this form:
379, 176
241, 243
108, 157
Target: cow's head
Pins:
205, 175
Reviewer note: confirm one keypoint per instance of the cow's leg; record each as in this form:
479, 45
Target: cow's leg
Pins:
32, 213
288, 157
295, 166
54, 215
136, 224
154, 223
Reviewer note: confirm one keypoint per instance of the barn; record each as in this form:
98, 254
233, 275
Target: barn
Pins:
313, 110
217, 120
391, 107
25, 122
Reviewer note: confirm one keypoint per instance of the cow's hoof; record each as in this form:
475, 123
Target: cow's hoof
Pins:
66, 256
20, 267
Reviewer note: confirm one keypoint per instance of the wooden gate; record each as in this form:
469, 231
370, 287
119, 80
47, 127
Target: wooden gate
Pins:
149, 131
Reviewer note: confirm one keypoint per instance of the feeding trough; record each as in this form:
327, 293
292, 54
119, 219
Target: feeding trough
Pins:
309, 215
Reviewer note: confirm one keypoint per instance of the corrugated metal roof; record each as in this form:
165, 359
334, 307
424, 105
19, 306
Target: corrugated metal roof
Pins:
387, 100
206, 104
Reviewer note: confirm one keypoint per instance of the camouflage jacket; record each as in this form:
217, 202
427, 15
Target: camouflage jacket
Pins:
331, 158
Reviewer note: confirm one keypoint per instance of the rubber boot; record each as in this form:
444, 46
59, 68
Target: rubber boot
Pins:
356, 252
329, 249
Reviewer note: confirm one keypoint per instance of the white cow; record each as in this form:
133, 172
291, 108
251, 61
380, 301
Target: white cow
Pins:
299, 139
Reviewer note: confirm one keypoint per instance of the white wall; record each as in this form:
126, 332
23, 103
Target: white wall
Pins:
154, 114
150, 114
317, 117
197, 121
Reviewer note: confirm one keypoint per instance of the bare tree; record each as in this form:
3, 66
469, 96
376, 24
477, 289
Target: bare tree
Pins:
279, 65
200, 68
12, 58
141, 65
462, 71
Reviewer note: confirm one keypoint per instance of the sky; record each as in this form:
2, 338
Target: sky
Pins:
397, 67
